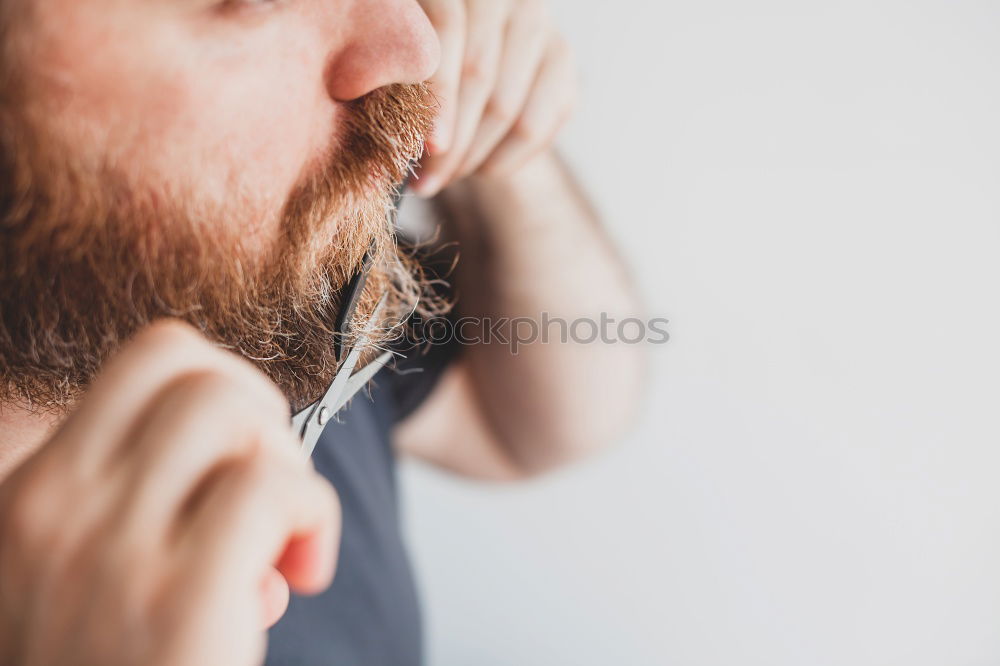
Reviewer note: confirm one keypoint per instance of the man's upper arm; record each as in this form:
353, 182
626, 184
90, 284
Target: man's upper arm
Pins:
449, 429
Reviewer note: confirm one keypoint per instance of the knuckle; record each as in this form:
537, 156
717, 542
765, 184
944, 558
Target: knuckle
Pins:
225, 393
168, 333
203, 384
199, 390
477, 72
215, 362
528, 131
502, 110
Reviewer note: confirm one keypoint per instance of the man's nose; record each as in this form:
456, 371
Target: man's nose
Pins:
386, 41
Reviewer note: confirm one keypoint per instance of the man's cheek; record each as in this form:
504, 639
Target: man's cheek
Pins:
264, 153
268, 117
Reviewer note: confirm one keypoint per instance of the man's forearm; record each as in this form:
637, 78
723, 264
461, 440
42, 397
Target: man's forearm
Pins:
532, 247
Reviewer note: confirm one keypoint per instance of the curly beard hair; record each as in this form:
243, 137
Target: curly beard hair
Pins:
88, 258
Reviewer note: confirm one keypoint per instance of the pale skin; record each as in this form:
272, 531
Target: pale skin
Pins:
206, 574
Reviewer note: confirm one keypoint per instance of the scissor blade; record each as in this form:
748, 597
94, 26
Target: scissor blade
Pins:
360, 379
316, 417
313, 428
299, 420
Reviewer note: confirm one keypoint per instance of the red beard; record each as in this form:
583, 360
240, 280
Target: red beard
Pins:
87, 260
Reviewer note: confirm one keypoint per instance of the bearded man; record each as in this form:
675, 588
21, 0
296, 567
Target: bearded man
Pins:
187, 188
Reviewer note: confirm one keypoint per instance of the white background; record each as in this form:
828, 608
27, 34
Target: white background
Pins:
810, 192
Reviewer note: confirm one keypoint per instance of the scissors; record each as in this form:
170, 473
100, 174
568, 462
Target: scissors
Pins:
309, 423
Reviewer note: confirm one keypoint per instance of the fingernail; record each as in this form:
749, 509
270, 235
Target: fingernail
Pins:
432, 148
